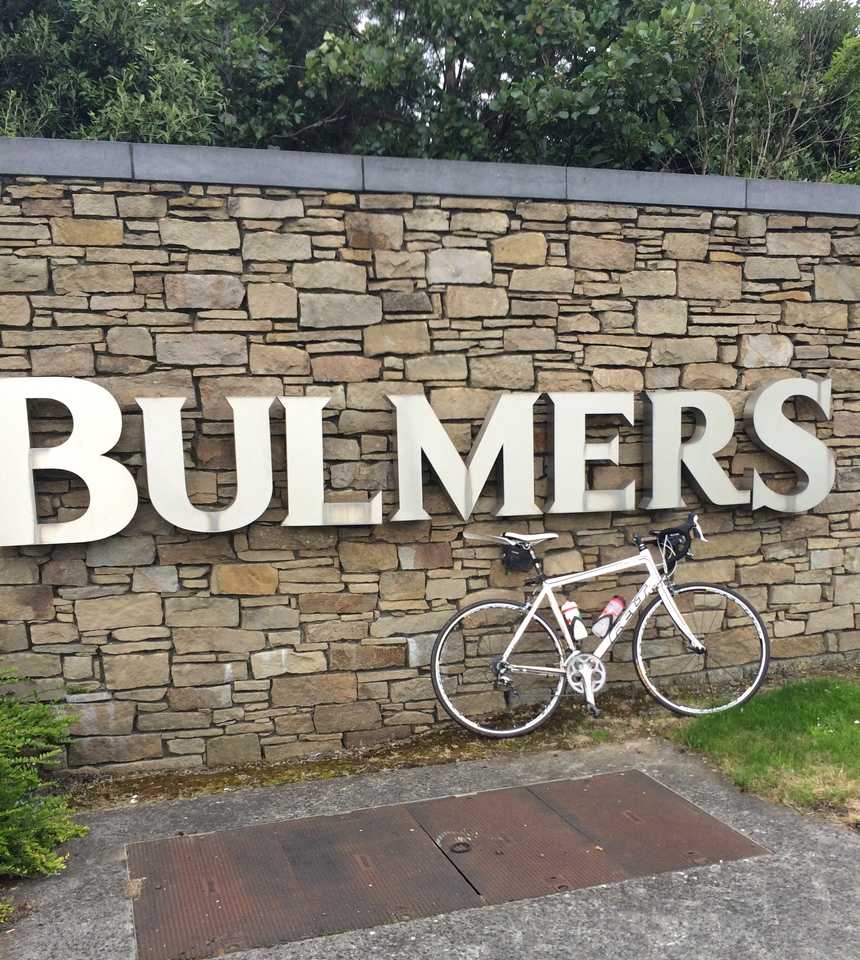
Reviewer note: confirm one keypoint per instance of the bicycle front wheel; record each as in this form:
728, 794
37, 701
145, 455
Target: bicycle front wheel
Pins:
726, 673
482, 692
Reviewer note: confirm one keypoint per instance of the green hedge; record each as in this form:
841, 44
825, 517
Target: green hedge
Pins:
33, 821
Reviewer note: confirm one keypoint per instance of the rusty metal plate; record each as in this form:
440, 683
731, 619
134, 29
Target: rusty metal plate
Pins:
371, 867
644, 825
203, 896
214, 894
512, 846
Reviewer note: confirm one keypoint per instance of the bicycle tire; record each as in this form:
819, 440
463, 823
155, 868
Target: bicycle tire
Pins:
469, 683
689, 683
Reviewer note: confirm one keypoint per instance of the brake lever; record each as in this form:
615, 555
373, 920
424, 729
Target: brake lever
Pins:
698, 529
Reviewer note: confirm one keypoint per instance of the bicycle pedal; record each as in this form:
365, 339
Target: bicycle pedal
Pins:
592, 709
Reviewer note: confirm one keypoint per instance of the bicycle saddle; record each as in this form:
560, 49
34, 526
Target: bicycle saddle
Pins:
529, 538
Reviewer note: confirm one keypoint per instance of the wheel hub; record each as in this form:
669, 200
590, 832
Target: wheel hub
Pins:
500, 677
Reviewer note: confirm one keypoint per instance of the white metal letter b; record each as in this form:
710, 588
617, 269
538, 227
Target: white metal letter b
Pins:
97, 424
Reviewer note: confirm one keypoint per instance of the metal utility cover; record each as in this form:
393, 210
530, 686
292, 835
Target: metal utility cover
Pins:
207, 895
279, 882
511, 846
643, 825
370, 867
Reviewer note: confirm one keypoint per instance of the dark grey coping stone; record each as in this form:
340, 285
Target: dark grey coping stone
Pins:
838, 198
463, 178
665, 189
232, 166
65, 158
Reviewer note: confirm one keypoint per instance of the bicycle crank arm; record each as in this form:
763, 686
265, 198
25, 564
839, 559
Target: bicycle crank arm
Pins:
586, 675
586, 672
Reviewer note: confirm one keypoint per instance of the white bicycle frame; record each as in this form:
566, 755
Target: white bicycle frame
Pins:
654, 581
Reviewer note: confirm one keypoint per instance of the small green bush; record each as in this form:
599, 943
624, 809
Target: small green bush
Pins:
33, 822
7, 910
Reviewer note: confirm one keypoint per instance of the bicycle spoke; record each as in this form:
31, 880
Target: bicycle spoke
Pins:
728, 672
478, 689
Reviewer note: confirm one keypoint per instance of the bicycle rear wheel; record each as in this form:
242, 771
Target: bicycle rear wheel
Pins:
728, 672
483, 693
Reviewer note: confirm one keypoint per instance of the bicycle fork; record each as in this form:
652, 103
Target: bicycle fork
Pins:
668, 599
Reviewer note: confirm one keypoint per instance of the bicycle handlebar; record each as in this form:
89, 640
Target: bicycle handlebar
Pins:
674, 542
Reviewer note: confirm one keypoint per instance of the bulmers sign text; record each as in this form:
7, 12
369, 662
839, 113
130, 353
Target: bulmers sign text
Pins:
506, 437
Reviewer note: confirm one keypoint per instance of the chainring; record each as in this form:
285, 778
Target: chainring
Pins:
574, 671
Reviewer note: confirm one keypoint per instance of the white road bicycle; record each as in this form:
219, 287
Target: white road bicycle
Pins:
500, 669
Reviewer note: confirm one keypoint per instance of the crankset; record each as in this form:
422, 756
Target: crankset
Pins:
586, 675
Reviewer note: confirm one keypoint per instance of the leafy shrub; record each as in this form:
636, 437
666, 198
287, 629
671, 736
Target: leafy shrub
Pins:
33, 822
6, 910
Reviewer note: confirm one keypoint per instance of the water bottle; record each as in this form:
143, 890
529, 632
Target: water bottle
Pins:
571, 614
607, 618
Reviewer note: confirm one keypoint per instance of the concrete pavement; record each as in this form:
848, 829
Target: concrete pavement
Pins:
801, 901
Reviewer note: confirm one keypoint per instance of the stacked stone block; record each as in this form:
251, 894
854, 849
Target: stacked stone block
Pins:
183, 649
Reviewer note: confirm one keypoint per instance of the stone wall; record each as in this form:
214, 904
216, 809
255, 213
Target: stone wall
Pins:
274, 642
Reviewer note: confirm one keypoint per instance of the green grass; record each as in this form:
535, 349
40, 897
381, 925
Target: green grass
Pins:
798, 744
